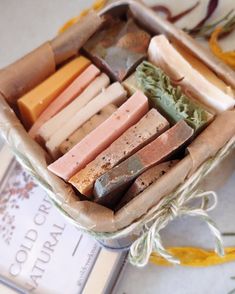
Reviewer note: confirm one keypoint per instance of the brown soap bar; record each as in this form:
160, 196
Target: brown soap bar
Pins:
145, 180
147, 129
109, 187
118, 48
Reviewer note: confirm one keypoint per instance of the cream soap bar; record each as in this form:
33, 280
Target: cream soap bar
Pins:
164, 55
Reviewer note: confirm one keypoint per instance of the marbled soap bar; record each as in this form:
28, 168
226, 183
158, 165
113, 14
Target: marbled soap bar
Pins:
109, 187
145, 180
36, 101
146, 130
88, 126
100, 138
69, 94
118, 48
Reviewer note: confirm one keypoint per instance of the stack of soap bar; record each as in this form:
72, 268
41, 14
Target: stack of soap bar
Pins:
73, 90
109, 187
118, 48
163, 54
99, 139
36, 101
113, 94
168, 99
51, 126
88, 126
147, 129
145, 180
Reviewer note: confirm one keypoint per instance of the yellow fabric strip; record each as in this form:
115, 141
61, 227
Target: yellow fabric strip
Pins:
195, 257
97, 5
227, 57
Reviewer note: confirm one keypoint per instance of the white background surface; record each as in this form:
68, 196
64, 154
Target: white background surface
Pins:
25, 24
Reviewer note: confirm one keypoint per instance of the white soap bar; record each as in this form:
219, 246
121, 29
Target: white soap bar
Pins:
114, 94
164, 55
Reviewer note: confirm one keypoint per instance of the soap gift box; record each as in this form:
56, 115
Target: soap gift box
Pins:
140, 220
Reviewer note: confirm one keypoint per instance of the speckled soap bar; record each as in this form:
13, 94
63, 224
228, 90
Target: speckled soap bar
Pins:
145, 180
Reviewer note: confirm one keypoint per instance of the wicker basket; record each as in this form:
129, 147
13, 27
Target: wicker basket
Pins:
136, 225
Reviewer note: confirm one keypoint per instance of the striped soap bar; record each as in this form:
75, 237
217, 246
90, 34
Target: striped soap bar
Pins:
110, 186
69, 94
147, 129
99, 139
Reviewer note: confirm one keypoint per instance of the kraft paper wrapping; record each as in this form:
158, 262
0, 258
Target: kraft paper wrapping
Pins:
20, 77
212, 139
67, 44
26, 73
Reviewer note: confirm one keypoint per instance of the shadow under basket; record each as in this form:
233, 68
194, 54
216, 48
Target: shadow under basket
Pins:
136, 226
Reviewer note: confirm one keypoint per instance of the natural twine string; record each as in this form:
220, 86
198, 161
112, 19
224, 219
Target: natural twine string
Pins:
150, 240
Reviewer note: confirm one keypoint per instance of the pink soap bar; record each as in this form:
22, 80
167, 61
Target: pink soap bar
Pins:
71, 92
100, 138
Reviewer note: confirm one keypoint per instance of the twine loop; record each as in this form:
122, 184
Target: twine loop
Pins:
150, 240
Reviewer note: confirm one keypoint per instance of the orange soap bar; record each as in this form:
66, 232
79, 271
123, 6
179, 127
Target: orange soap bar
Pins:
36, 101
69, 94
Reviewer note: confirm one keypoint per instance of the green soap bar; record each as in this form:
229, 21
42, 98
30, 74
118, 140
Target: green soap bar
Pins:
170, 100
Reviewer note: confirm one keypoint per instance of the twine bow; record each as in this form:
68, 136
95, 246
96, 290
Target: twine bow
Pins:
150, 240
